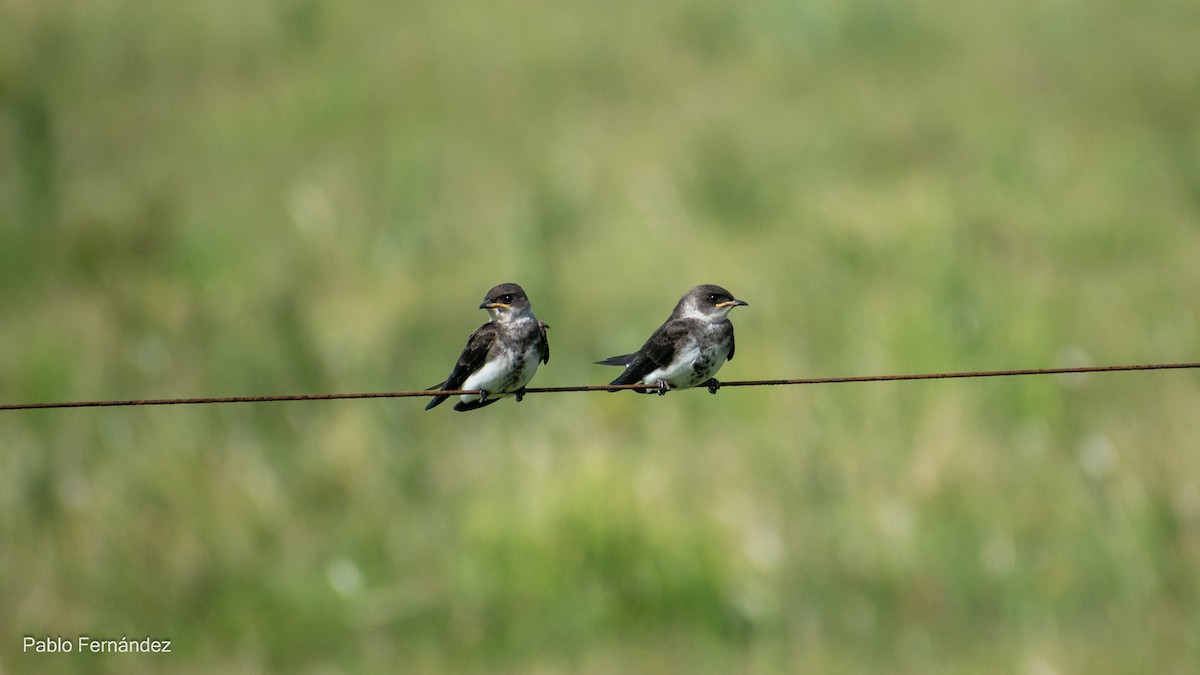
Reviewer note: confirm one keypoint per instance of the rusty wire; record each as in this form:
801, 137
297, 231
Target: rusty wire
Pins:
599, 387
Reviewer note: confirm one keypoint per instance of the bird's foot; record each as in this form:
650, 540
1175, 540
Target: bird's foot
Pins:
520, 394
483, 394
713, 385
663, 387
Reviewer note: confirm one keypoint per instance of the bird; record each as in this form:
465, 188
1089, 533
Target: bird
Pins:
688, 349
502, 355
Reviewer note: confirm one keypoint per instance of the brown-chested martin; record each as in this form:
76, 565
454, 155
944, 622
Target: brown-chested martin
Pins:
688, 349
502, 355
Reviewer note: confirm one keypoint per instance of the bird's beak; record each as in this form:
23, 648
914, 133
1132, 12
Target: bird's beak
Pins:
732, 303
495, 305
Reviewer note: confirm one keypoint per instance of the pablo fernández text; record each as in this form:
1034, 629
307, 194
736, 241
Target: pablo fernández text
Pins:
85, 644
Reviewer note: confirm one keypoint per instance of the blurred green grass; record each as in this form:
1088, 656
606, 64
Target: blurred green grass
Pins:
304, 196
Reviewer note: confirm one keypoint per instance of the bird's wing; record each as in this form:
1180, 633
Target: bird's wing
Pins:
472, 357
544, 342
658, 352
731, 342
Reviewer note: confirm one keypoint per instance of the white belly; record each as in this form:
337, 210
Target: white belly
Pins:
689, 368
500, 376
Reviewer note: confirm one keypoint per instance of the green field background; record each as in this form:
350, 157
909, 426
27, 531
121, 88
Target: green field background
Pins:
305, 196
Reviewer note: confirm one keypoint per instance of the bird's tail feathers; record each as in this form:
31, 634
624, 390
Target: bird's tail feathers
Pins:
437, 400
464, 406
627, 377
622, 360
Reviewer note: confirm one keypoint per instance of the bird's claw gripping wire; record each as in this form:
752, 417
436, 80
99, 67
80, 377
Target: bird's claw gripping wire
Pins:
713, 385
663, 387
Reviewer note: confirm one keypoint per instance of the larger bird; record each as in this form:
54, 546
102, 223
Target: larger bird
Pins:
688, 349
502, 355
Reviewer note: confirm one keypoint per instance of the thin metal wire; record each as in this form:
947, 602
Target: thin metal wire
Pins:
600, 387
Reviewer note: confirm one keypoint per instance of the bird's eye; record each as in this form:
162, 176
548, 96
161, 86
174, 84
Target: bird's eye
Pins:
713, 298
506, 298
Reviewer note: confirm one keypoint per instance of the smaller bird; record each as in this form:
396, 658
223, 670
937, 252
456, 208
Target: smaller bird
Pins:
502, 355
687, 350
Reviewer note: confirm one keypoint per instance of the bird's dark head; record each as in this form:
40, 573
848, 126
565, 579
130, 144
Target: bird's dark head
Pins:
506, 302
709, 302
